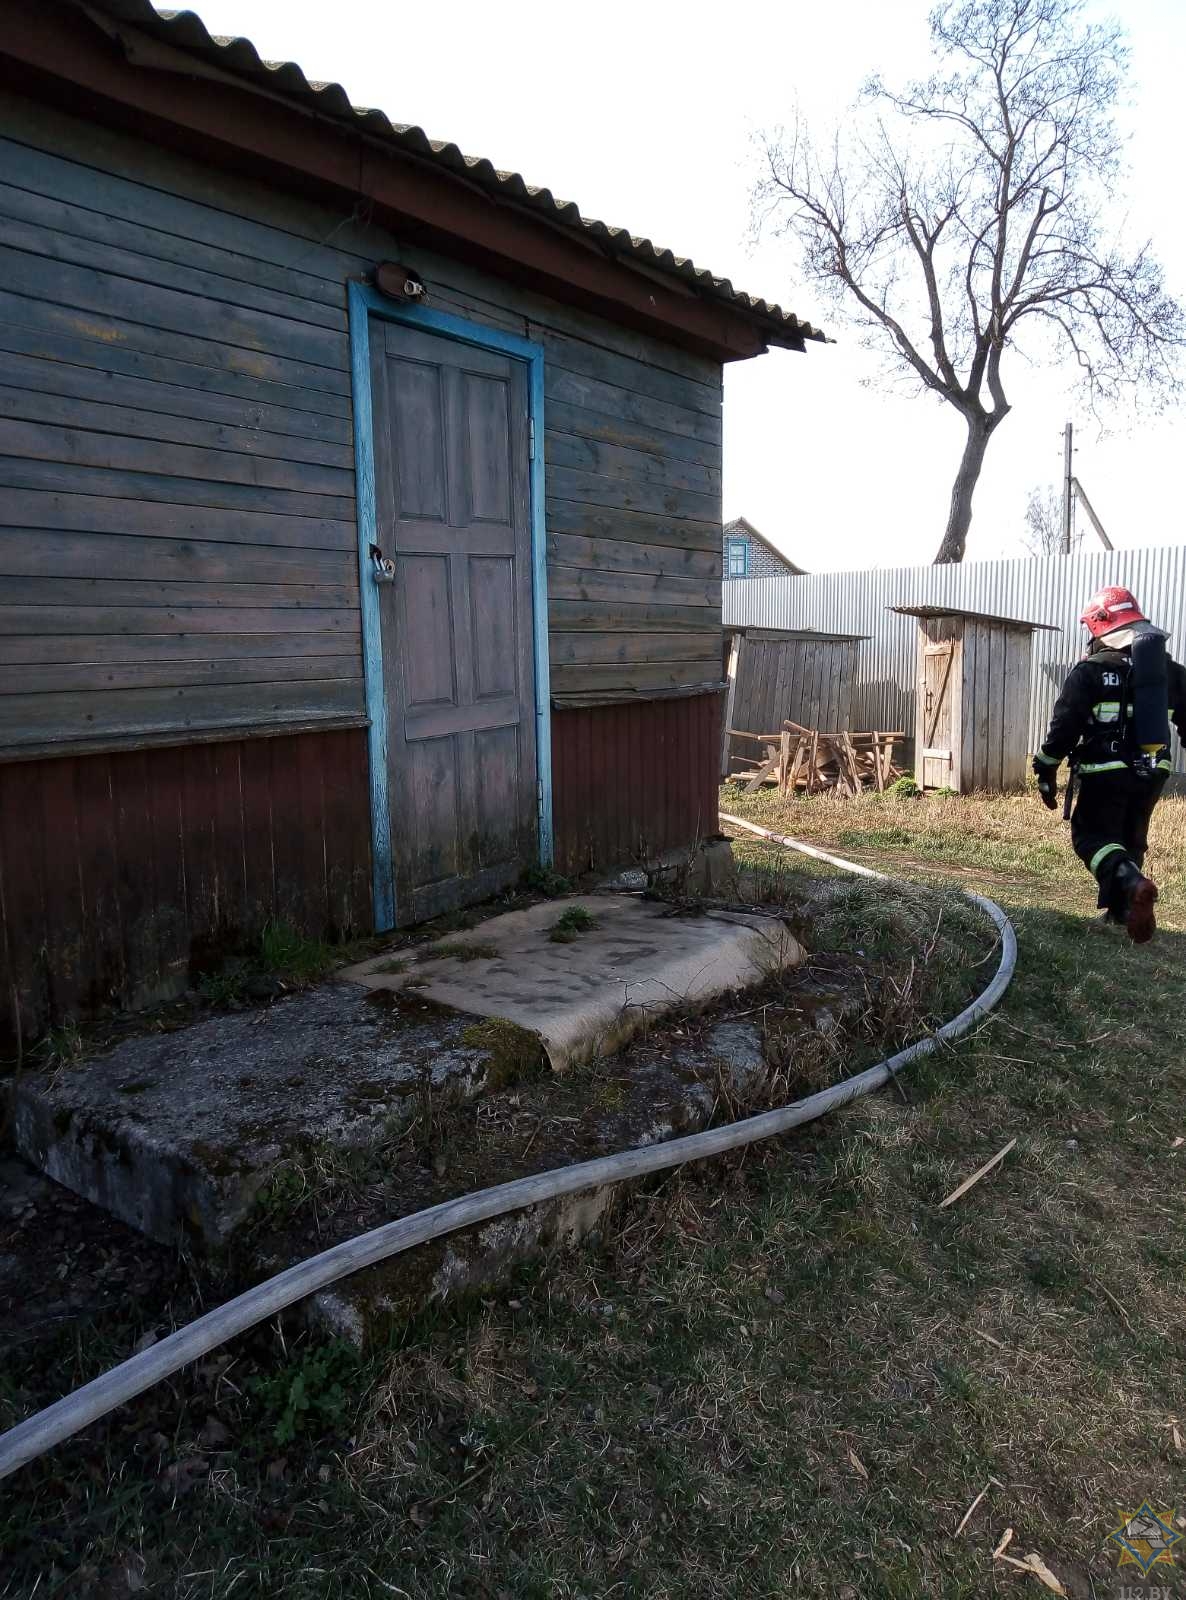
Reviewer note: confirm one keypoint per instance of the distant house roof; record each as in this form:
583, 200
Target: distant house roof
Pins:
740, 528
149, 37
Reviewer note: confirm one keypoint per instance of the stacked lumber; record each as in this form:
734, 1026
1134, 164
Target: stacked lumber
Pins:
812, 760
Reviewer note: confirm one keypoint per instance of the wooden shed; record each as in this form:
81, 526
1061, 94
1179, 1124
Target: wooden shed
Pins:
360, 520
773, 674
973, 699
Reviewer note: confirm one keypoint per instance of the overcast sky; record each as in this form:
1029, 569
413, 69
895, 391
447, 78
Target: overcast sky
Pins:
643, 113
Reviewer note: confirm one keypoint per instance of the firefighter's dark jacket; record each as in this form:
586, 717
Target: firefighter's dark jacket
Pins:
1092, 714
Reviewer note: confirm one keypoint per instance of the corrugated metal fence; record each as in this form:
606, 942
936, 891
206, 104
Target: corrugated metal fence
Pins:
1048, 590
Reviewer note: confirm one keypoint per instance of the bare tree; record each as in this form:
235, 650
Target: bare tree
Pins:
1043, 524
967, 215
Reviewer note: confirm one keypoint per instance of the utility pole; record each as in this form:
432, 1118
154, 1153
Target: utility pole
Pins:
1068, 489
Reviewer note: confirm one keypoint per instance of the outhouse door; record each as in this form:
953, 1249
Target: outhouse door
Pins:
940, 676
452, 488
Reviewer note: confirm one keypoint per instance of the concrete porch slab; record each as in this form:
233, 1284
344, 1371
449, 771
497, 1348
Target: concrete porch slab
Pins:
175, 1132
585, 991
252, 1133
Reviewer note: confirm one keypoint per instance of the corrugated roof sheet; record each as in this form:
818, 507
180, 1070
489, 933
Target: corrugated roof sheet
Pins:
186, 31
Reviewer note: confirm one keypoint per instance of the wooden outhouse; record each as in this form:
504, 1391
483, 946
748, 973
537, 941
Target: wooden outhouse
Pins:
973, 699
360, 519
773, 674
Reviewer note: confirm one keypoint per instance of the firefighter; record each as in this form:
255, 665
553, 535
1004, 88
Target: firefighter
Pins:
1111, 722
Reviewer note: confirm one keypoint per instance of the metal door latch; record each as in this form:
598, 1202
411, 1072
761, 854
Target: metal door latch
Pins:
382, 567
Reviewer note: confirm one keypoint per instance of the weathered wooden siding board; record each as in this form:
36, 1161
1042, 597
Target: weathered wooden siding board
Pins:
582, 616
74, 510
570, 649
617, 677
633, 781
615, 425
25, 552
632, 527
57, 594
120, 871
138, 711
1018, 659
259, 343
968, 753
81, 677
619, 555
83, 234
89, 462
54, 333
589, 453
43, 402
68, 620
180, 649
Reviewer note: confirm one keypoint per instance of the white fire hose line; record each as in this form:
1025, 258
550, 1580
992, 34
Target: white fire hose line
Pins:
68, 1416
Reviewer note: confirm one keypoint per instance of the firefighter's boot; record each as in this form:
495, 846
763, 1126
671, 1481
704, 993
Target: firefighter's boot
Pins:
1133, 899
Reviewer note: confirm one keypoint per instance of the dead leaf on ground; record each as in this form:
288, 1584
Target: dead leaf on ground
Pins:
1006, 1541
134, 1574
214, 1435
1034, 1564
858, 1465
179, 1477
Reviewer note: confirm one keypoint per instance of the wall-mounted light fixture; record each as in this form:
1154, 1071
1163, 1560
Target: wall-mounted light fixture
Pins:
399, 282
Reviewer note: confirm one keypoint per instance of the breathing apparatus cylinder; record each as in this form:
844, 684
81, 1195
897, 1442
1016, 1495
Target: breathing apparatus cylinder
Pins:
1150, 693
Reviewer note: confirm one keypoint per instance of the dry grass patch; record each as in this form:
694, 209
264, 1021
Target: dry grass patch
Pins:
790, 1372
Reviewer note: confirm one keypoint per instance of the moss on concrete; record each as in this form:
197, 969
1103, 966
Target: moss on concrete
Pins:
512, 1054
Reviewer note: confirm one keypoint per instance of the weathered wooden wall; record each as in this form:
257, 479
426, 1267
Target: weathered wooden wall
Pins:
178, 552
807, 678
178, 546
176, 470
116, 870
996, 666
633, 781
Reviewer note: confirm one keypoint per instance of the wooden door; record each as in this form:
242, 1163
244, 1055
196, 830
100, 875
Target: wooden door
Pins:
937, 731
453, 510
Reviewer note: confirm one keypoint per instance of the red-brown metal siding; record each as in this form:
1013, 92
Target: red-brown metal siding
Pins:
632, 781
115, 869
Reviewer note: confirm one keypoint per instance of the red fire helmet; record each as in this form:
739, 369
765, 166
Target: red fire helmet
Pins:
1109, 609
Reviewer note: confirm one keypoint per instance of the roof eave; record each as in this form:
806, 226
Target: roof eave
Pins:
156, 68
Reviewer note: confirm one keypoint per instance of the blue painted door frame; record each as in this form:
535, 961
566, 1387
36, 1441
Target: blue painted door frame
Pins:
366, 303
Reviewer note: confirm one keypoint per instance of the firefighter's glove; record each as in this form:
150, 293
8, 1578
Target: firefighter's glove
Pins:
1047, 777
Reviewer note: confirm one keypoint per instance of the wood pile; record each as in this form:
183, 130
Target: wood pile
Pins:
811, 760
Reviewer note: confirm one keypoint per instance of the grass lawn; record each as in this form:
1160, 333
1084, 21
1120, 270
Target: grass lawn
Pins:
791, 1375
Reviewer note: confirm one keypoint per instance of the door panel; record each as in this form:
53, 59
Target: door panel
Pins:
452, 509
419, 414
488, 422
492, 585
426, 614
